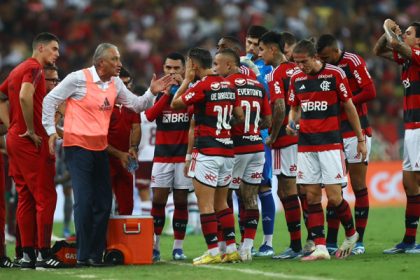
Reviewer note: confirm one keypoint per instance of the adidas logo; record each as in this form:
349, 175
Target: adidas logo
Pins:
417, 164
53, 263
338, 176
313, 234
253, 222
214, 239
302, 87
106, 106
232, 234
266, 219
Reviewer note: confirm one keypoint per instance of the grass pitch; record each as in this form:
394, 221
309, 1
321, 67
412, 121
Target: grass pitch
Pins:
385, 229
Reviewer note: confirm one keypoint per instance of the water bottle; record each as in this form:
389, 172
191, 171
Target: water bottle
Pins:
132, 165
294, 126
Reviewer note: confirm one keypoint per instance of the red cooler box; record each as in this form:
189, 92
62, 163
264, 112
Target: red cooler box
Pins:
130, 240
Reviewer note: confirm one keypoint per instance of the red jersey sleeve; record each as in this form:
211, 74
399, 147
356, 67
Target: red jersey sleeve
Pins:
32, 75
343, 87
365, 82
276, 87
415, 55
153, 112
266, 108
292, 100
397, 58
4, 87
193, 95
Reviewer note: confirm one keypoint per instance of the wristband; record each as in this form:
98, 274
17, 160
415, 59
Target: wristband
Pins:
188, 157
360, 141
135, 147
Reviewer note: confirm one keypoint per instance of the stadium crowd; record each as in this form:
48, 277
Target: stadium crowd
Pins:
143, 33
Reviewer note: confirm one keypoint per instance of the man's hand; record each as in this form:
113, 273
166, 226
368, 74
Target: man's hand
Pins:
51, 143
34, 138
189, 71
124, 158
186, 168
269, 141
361, 149
161, 84
133, 151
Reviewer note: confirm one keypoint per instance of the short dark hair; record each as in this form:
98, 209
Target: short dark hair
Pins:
256, 31
124, 73
305, 46
50, 67
44, 38
235, 41
326, 40
416, 26
234, 55
274, 38
202, 56
288, 38
176, 56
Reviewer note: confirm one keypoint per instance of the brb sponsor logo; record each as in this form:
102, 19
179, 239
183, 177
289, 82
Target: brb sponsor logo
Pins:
175, 117
314, 106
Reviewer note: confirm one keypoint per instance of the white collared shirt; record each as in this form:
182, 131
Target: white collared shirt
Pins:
74, 86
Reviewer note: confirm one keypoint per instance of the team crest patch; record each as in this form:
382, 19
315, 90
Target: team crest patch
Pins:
240, 82
215, 86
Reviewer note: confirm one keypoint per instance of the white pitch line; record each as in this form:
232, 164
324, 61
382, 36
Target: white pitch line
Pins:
277, 275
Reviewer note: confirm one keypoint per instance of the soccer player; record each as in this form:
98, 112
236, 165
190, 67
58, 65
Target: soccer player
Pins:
247, 142
268, 208
123, 140
90, 95
169, 158
27, 148
5, 261
284, 146
363, 90
289, 43
316, 93
406, 52
214, 101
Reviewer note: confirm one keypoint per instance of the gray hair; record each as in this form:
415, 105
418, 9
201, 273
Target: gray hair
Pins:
100, 50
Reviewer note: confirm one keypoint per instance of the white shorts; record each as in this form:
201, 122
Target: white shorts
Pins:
247, 168
285, 161
213, 171
327, 167
411, 157
170, 175
350, 149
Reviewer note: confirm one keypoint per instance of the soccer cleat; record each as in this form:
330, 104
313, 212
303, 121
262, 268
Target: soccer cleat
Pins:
5, 262
253, 252
233, 257
309, 247
414, 250
346, 248
265, 251
27, 264
358, 249
207, 259
400, 248
50, 263
17, 262
156, 255
245, 254
332, 248
178, 255
288, 254
320, 253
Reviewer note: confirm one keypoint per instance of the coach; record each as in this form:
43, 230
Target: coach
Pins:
90, 95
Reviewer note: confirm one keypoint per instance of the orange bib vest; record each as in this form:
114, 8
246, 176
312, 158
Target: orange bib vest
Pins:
87, 120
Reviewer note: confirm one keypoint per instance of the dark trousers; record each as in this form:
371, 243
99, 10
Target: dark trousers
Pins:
92, 193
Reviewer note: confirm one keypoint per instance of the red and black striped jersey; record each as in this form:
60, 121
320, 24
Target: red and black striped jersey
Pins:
410, 77
278, 83
171, 130
358, 76
319, 98
254, 101
214, 99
